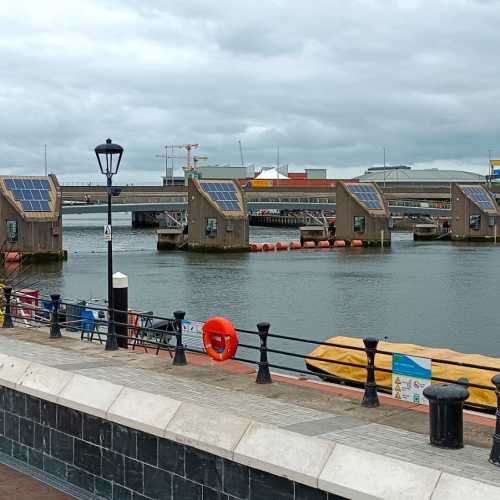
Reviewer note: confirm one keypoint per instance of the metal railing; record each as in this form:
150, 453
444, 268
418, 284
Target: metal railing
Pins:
58, 314
155, 332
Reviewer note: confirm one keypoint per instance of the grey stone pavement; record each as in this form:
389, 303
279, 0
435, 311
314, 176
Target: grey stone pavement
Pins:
471, 461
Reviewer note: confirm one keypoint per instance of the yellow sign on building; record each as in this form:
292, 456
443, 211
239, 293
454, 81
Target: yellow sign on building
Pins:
495, 163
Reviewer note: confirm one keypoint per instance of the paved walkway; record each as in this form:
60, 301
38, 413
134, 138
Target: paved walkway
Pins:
15, 485
210, 387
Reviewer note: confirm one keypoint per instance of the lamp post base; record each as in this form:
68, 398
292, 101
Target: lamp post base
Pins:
111, 341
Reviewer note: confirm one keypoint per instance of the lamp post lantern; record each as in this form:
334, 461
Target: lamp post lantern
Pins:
109, 156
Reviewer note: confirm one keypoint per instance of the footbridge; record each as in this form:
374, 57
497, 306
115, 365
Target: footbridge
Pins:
399, 207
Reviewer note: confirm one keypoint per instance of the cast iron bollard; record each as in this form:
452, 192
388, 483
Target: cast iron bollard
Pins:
55, 328
446, 414
495, 449
370, 397
7, 317
180, 353
263, 375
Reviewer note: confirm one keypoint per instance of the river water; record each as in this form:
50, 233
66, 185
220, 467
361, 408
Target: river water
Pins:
433, 294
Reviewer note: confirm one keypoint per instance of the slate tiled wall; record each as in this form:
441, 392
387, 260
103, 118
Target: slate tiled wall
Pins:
117, 462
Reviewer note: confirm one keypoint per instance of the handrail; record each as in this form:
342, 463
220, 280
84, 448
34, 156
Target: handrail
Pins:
172, 328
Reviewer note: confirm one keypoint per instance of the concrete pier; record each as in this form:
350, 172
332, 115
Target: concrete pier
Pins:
290, 438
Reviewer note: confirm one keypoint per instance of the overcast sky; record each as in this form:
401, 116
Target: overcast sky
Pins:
330, 81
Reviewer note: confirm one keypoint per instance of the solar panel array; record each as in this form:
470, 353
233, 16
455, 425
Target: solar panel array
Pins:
33, 194
479, 195
224, 194
367, 195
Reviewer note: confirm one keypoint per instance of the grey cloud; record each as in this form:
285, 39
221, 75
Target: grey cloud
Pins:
332, 82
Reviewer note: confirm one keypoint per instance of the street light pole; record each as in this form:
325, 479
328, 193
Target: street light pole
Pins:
105, 154
111, 342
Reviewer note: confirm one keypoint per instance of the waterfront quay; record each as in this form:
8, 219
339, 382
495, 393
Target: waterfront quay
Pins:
129, 424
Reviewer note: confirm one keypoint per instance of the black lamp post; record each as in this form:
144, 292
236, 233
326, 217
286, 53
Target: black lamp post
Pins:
109, 156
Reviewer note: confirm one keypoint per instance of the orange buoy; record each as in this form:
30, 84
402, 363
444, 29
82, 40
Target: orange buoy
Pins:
282, 245
339, 243
356, 243
323, 244
220, 338
295, 245
309, 244
256, 247
12, 257
268, 247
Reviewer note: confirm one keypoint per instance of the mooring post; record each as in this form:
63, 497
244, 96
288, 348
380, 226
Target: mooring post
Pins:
180, 352
7, 317
55, 328
263, 374
370, 397
495, 449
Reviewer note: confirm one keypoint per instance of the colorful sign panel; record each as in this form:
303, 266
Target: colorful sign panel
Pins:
410, 376
192, 334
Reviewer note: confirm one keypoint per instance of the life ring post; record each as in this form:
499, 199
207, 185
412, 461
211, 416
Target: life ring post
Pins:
263, 374
180, 352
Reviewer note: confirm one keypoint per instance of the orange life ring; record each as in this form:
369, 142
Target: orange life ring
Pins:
220, 338
323, 244
295, 245
282, 245
356, 243
339, 243
309, 244
268, 247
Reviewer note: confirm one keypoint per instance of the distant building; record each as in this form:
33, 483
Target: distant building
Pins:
362, 213
404, 175
474, 213
217, 215
31, 219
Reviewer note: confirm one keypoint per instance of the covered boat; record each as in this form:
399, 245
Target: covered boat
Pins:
440, 370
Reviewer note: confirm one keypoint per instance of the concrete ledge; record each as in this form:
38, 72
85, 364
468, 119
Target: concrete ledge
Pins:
450, 486
207, 429
144, 411
335, 468
89, 395
361, 475
284, 453
11, 370
43, 381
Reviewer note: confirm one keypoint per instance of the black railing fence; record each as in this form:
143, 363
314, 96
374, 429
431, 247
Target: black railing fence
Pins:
149, 331
257, 347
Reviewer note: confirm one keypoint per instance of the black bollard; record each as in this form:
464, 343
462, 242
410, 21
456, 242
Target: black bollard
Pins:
370, 397
120, 309
263, 375
55, 328
446, 414
180, 353
495, 449
7, 317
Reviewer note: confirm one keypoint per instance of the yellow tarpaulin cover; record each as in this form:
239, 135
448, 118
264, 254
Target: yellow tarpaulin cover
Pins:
440, 370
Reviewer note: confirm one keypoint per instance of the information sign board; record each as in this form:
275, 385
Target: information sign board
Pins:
192, 334
107, 232
410, 376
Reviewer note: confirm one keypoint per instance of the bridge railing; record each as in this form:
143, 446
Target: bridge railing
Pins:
145, 331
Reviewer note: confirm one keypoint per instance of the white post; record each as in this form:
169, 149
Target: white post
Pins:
495, 232
382, 238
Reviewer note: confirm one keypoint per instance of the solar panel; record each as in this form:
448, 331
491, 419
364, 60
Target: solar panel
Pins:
33, 194
479, 195
367, 195
223, 194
